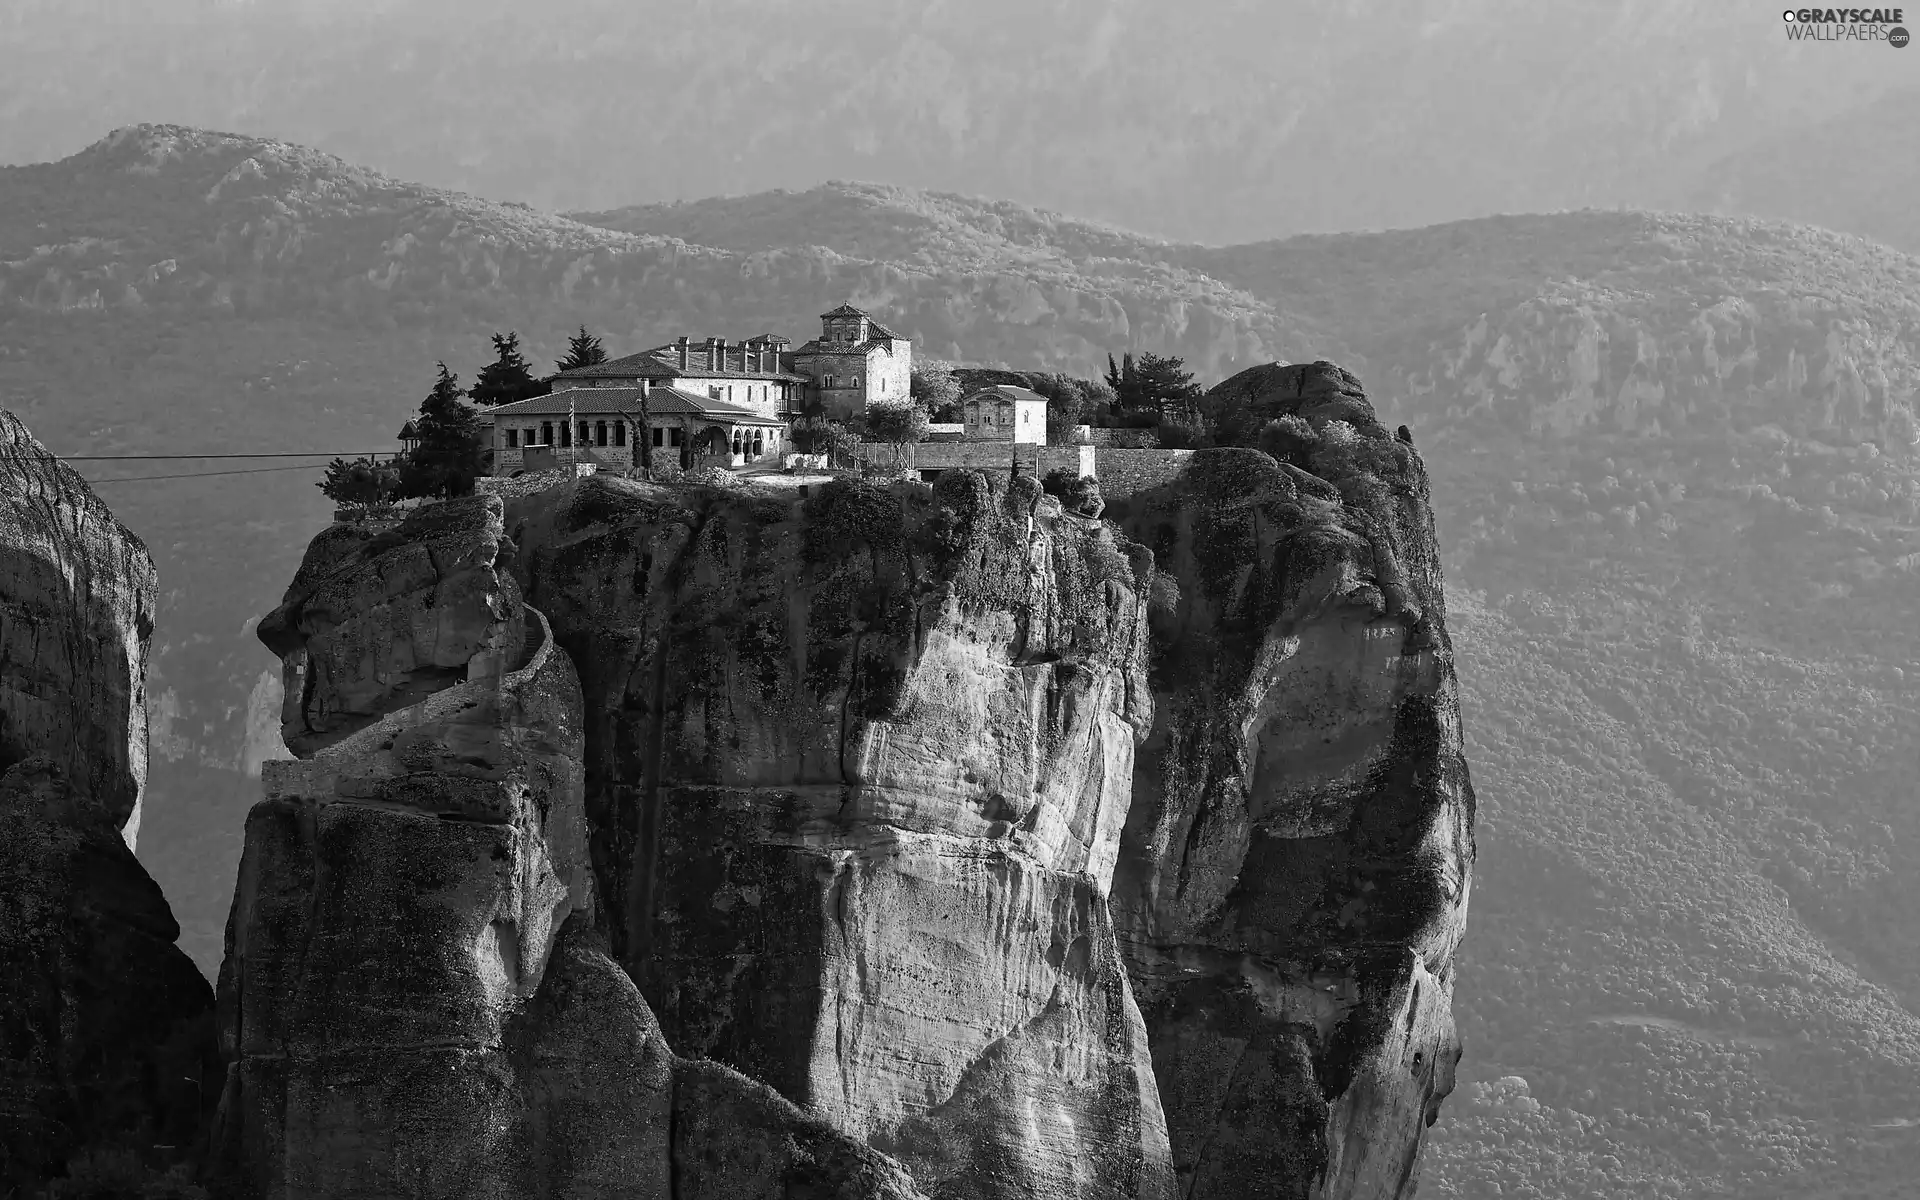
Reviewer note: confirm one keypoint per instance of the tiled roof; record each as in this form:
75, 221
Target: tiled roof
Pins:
1005, 391
672, 400
613, 401
628, 366
588, 402
848, 310
816, 346
662, 362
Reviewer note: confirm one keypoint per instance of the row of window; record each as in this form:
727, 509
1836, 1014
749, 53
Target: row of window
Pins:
602, 433
592, 433
985, 416
726, 393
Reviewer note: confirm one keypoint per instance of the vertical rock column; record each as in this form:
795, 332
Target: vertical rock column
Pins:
404, 882
1294, 875
108, 1029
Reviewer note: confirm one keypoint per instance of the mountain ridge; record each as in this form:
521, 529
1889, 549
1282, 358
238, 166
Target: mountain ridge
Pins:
1285, 119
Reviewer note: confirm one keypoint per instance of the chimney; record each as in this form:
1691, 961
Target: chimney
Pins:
680, 344
713, 353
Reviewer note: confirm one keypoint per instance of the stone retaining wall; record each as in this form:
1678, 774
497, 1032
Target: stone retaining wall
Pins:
1123, 472
525, 485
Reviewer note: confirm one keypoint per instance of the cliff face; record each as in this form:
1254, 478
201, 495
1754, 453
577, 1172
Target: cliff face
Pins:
415, 1000
107, 1022
890, 799
1294, 873
78, 591
857, 767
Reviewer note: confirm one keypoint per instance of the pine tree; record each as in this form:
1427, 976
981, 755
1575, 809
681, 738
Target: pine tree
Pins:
451, 451
1156, 379
507, 378
583, 350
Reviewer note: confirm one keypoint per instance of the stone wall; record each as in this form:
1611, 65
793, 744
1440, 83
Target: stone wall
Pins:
1128, 439
507, 460
1123, 472
526, 485
947, 456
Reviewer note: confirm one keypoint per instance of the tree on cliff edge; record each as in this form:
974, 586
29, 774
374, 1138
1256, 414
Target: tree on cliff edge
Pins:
450, 453
360, 484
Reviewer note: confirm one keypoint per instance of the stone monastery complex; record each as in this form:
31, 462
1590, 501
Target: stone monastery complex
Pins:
712, 404
726, 404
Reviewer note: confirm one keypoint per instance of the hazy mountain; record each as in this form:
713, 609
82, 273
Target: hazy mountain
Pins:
1217, 120
1674, 477
1858, 171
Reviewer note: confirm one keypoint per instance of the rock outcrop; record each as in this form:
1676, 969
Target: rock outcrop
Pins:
107, 1023
1295, 868
857, 768
416, 1000
882, 804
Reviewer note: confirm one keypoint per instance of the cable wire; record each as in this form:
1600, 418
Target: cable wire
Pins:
202, 474
273, 454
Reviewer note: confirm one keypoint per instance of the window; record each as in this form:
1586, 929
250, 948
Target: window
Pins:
736, 441
713, 393
659, 436
586, 435
832, 381
513, 438
566, 434
546, 433
856, 381
599, 433
759, 447
619, 433
673, 437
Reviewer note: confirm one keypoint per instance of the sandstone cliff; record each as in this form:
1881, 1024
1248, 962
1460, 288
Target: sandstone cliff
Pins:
107, 1022
415, 1000
857, 767
1294, 873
